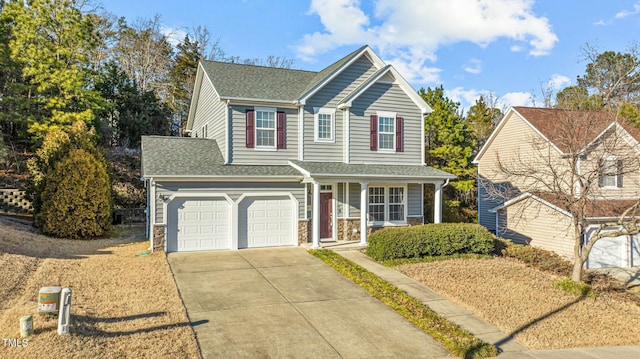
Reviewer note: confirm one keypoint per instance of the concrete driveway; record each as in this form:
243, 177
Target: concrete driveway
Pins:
285, 303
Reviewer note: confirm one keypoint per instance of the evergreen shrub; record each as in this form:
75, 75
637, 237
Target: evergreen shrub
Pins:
441, 239
76, 198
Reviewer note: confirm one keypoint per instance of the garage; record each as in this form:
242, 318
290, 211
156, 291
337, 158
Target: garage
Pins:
266, 222
622, 251
198, 224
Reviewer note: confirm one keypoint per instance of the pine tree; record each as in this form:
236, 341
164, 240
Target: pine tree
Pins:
449, 147
51, 40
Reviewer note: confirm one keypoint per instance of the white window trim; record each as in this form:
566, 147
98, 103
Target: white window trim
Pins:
275, 128
386, 221
393, 135
325, 111
615, 175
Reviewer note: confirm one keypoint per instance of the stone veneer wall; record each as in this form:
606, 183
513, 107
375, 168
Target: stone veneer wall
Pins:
304, 231
158, 238
348, 229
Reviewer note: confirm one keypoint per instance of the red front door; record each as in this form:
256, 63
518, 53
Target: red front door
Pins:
326, 228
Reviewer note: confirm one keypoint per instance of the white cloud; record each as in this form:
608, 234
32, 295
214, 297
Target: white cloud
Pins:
175, 36
411, 31
625, 13
517, 99
473, 66
558, 82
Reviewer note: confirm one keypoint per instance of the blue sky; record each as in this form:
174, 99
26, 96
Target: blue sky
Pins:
507, 49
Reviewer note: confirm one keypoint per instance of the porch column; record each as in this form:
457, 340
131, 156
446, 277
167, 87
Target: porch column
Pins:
363, 213
315, 217
437, 204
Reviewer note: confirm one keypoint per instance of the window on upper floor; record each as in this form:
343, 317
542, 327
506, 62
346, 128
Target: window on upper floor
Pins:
204, 131
265, 128
387, 204
324, 128
387, 132
610, 173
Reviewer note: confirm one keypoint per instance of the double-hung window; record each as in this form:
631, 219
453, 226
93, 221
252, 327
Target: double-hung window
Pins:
387, 204
610, 172
324, 125
386, 132
265, 128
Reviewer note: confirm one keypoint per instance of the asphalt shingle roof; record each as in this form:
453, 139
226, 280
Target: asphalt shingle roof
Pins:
267, 83
257, 82
197, 157
340, 169
164, 156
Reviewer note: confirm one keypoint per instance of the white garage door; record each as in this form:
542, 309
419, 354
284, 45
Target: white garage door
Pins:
198, 224
609, 252
267, 222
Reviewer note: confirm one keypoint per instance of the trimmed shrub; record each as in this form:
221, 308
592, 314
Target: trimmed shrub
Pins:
76, 198
539, 258
441, 239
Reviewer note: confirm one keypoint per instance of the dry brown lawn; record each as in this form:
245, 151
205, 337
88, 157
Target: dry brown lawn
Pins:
522, 301
122, 305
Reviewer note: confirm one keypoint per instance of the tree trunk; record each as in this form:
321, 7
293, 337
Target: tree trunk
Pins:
576, 275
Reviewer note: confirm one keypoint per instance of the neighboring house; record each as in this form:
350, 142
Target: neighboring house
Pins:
536, 216
277, 157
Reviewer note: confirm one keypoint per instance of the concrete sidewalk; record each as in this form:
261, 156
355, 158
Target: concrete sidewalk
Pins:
509, 347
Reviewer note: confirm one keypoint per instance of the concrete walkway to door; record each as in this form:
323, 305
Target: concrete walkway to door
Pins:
285, 303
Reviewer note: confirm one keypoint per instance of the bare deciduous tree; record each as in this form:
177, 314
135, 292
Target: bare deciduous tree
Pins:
579, 168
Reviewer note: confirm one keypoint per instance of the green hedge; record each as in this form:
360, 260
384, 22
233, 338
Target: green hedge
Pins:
441, 239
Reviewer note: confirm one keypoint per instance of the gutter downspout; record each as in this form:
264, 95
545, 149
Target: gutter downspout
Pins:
152, 212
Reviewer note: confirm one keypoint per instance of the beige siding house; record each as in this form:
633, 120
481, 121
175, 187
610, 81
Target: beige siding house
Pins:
280, 157
536, 158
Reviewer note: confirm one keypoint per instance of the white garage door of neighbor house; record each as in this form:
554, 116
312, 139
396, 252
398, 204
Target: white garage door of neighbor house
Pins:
269, 222
609, 252
198, 224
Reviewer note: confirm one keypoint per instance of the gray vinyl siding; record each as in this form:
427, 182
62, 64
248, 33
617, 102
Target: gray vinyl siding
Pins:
414, 198
385, 97
233, 190
329, 97
240, 154
210, 112
354, 200
340, 200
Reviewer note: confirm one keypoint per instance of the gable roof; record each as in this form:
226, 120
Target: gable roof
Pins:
596, 209
164, 156
545, 122
270, 84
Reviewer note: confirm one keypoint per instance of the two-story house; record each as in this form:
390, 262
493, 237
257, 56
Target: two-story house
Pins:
535, 154
277, 157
